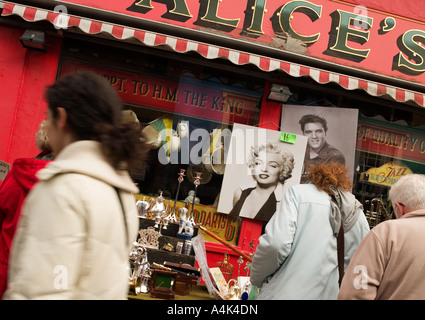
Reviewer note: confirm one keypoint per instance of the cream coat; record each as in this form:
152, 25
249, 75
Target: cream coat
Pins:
389, 263
71, 243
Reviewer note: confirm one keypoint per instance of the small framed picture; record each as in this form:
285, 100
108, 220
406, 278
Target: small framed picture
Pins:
219, 280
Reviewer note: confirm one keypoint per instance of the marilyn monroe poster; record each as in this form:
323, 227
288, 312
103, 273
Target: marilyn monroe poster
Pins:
259, 168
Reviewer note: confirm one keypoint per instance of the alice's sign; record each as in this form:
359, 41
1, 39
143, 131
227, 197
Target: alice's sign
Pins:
335, 31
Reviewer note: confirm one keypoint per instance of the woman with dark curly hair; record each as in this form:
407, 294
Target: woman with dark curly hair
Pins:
80, 220
297, 255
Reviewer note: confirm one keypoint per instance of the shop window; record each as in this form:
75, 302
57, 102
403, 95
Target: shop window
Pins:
385, 152
188, 112
390, 142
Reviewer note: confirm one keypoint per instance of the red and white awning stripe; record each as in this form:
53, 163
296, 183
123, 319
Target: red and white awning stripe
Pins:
211, 51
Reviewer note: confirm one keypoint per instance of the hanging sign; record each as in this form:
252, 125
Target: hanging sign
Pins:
386, 175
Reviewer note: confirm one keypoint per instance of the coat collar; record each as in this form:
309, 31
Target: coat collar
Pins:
413, 214
86, 157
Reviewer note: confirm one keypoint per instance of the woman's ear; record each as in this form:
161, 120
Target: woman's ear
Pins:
62, 118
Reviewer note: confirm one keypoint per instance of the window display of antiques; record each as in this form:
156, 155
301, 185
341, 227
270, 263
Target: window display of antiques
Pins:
218, 278
163, 284
162, 260
166, 230
167, 247
225, 267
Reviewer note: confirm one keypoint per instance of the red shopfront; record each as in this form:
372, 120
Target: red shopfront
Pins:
295, 43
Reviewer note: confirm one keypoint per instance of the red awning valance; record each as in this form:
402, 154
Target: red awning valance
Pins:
211, 51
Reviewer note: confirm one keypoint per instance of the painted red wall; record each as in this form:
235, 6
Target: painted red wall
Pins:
412, 9
24, 75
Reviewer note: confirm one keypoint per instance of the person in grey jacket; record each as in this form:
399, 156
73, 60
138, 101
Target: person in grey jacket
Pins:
297, 255
79, 222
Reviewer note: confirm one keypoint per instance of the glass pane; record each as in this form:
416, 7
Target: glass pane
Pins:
185, 107
385, 152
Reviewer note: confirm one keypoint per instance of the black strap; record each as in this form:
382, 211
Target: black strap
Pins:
123, 214
340, 249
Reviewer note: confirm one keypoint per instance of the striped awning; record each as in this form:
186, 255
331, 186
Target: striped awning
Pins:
211, 51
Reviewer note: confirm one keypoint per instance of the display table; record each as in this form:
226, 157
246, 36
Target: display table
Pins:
199, 292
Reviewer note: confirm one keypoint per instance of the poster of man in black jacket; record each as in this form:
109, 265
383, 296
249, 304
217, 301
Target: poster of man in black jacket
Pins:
331, 133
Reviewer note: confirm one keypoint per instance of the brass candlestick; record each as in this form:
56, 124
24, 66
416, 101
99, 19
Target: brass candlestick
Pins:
172, 216
196, 182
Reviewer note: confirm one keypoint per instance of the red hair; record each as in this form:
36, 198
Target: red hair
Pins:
327, 175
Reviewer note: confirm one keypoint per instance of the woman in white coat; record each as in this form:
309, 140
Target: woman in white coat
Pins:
297, 255
79, 221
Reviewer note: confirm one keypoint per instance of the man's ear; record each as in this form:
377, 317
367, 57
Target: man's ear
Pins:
400, 209
62, 118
